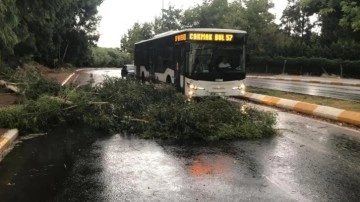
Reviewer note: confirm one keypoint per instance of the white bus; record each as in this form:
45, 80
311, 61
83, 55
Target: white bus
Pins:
199, 61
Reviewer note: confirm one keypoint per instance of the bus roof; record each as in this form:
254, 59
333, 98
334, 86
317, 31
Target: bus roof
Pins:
213, 30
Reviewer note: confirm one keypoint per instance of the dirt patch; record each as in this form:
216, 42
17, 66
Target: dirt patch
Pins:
58, 76
8, 99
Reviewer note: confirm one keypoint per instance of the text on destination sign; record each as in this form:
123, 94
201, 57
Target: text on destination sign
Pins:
204, 37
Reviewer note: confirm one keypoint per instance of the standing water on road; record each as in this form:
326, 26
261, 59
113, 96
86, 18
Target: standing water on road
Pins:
307, 162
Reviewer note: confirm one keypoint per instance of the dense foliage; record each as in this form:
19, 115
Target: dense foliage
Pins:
50, 32
64, 31
152, 111
108, 57
312, 66
8, 22
135, 34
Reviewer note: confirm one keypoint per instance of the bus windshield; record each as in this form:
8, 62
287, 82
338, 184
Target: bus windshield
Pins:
215, 59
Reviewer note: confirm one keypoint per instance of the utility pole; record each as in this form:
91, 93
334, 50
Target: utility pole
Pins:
283, 71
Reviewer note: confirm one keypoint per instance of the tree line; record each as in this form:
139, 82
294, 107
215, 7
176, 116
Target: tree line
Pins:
49, 32
334, 35
64, 31
54, 33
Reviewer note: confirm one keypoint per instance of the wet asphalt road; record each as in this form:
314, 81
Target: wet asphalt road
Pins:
83, 77
309, 161
325, 90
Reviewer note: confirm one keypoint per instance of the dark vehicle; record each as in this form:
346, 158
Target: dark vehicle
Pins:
130, 70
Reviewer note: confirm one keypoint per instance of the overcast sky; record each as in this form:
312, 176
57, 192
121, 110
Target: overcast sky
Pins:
119, 16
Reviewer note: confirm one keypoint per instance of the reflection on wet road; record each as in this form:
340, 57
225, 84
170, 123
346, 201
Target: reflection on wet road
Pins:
317, 89
130, 169
96, 76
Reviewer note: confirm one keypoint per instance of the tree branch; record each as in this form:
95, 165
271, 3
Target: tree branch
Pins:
9, 86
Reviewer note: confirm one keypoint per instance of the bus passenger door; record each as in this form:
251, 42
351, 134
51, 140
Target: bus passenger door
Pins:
152, 64
179, 59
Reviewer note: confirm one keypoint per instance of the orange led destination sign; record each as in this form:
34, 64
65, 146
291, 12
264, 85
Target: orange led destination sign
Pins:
204, 37
181, 37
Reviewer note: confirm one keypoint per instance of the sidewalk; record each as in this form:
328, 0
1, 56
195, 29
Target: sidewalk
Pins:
311, 79
7, 99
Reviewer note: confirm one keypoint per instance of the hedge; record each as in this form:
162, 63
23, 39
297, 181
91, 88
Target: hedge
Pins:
304, 66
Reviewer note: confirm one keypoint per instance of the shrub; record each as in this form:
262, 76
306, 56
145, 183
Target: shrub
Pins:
34, 116
209, 119
300, 65
42, 86
11, 116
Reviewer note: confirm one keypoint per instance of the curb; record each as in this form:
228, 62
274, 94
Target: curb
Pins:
6, 141
332, 113
67, 79
307, 80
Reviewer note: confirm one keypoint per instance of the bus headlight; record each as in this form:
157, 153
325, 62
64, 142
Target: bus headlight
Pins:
241, 88
194, 87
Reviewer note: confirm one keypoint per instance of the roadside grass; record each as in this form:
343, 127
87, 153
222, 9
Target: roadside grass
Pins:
331, 102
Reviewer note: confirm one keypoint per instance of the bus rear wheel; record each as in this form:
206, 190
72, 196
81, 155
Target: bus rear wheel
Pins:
168, 79
143, 77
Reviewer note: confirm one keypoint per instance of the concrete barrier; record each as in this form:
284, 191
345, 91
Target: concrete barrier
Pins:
7, 137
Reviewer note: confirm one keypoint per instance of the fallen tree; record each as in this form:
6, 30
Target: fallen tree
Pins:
10, 86
151, 111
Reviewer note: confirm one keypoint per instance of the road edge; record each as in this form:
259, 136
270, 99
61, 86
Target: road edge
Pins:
67, 79
6, 140
332, 113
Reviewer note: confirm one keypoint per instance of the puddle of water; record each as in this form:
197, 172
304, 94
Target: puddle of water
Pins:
36, 167
206, 164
